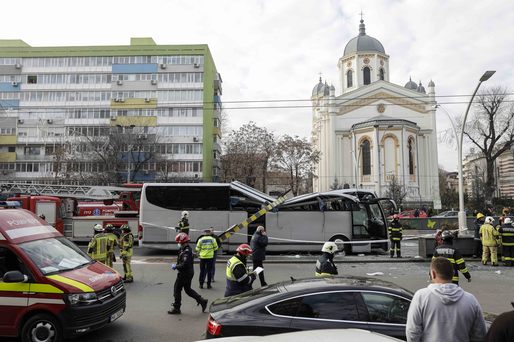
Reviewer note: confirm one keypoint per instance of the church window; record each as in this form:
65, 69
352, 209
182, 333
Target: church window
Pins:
410, 147
366, 157
349, 79
367, 75
381, 75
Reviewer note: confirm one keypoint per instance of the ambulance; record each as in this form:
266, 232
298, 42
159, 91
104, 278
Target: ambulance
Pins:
49, 289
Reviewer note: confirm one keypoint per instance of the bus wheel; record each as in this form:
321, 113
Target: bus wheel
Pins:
339, 239
41, 328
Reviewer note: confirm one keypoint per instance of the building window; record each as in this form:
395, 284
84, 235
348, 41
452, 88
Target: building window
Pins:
349, 79
410, 146
381, 75
32, 79
367, 75
366, 158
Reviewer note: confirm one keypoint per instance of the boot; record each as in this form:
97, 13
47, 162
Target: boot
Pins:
203, 303
174, 311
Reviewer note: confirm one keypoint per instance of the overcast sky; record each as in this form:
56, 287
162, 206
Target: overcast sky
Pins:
276, 49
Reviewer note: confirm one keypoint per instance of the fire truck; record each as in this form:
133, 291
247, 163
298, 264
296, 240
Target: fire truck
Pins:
75, 209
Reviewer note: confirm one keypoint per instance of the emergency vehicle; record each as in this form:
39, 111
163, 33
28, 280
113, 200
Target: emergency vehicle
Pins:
49, 288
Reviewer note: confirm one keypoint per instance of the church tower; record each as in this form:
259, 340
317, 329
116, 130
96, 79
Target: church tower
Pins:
364, 61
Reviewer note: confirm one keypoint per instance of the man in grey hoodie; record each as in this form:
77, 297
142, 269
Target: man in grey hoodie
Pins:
443, 311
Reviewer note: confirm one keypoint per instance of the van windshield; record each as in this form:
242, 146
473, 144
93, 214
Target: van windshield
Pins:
55, 255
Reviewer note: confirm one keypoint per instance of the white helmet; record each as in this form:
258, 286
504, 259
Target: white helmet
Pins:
329, 247
489, 220
185, 213
98, 228
507, 220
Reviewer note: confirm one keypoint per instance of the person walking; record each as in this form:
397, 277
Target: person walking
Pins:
477, 250
218, 241
395, 236
126, 252
506, 232
112, 242
97, 247
444, 311
183, 224
258, 244
206, 246
239, 280
325, 264
489, 235
446, 250
185, 274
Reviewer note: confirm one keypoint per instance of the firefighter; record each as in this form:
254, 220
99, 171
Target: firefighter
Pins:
97, 247
477, 250
325, 263
489, 235
126, 251
111, 244
183, 224
395, 236
239, 280
185, 269
451, 253
507, 235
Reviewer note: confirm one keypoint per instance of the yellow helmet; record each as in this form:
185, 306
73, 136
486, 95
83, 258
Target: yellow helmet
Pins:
480, 215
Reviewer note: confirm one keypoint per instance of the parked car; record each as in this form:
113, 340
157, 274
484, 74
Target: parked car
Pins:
410, 214
318, 335
448, 213
313, 303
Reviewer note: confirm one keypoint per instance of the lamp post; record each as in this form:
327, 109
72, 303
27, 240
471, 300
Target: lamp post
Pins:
462, 212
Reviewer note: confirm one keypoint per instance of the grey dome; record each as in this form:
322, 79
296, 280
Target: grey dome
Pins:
420, 88
411, 85
363, 43
321, 89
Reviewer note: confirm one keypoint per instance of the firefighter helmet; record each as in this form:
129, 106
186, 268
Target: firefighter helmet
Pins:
109, 228
329, 247
125, 227
489, 220
479, 216
507, 220
185, 214
181, 238
98, 228
447, 235
244, 249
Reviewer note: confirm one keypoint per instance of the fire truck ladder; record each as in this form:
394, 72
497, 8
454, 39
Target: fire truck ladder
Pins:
72, 191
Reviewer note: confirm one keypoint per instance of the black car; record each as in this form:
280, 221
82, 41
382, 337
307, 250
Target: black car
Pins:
313, 303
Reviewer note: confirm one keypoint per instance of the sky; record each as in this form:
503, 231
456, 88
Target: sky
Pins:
269, 50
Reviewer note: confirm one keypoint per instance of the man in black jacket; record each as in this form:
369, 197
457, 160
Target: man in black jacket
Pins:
185, 269
258, 243
325, 264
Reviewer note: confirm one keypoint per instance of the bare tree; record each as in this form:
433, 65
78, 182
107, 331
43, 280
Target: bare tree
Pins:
396, 191
491, 131
297, 157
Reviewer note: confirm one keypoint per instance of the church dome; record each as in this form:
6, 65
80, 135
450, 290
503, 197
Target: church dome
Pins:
420, 88
363, 43
411, 85
321, 89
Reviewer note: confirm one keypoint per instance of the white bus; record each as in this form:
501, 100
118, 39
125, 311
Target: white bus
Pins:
298, 224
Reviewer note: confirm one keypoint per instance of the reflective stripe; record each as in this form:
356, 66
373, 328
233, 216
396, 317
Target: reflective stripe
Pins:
460, 261
44, 288
452, 260
508, 243
322, 274
455, 278
27, 231
33, 301
464, 270
81, 286
15, 287
13, 301
242, 278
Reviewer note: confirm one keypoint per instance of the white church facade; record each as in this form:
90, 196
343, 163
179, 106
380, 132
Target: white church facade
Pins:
375, 131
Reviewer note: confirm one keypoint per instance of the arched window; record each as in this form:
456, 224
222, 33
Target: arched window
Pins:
367, 75
366, 157
381, 75
389, 156
349, 79
410, 146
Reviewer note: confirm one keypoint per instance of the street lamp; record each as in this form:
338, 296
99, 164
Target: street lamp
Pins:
462, 212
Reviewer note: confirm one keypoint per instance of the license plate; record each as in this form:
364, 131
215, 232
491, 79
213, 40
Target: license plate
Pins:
116, 315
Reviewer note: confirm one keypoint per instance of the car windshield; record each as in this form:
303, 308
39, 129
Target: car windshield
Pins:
55, 255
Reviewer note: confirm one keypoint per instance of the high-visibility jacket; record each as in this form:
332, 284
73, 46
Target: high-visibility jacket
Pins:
395, 231
238, 279
507, 233
183, 225
206, 246
112, 242
126, 245
97, 247
488, 235
449, 252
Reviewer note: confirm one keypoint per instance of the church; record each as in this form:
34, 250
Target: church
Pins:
374, 132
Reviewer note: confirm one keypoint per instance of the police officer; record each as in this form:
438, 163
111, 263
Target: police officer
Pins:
126, 252
239, 280
489, 235
507, 235
97, 247
112, 242
185, 274
395, 236
325, 263
451, 253
183, 224
206, 246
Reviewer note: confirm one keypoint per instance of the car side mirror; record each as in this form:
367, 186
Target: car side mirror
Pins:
15, 277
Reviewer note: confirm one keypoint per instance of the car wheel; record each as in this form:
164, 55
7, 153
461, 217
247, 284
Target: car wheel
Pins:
41, 328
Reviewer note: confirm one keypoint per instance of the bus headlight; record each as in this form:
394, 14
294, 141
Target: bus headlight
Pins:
82, 298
